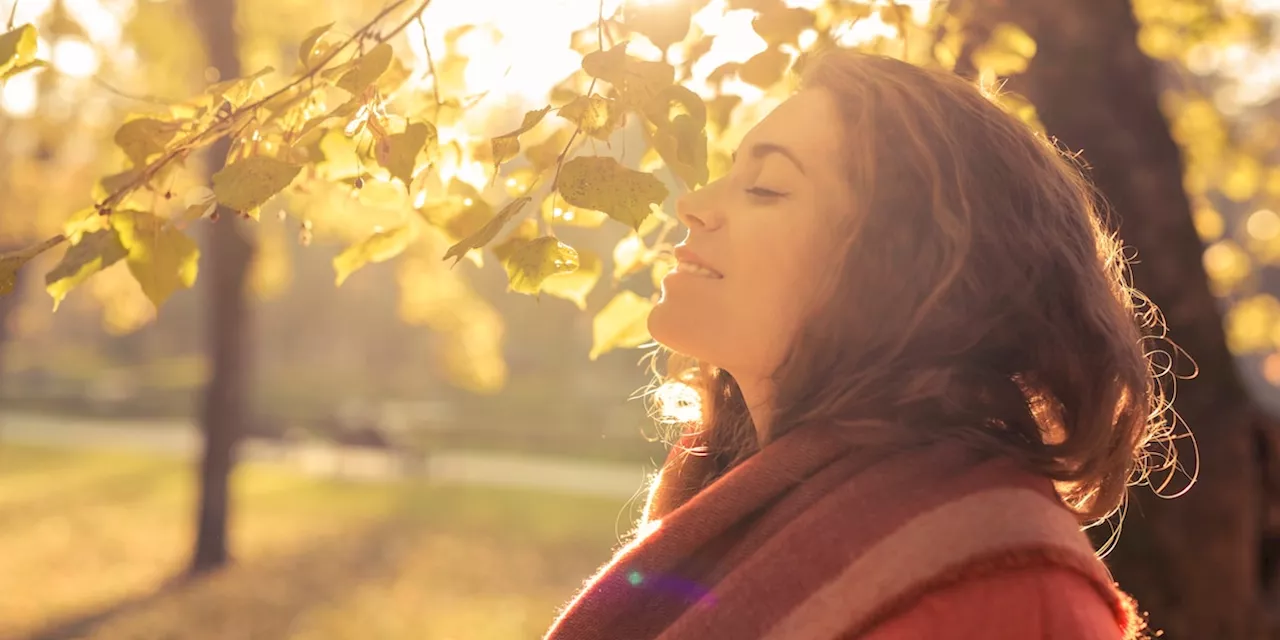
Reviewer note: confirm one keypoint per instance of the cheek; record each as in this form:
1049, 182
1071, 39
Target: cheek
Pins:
781, 286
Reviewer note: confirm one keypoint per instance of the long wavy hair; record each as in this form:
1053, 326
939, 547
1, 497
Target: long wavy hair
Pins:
978, 295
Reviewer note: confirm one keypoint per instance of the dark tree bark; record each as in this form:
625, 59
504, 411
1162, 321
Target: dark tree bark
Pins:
223, 414
1193, 562
8, 304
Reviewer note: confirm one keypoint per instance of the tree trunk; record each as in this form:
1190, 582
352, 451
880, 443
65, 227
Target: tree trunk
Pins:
1194, 562
8, 304
223, 413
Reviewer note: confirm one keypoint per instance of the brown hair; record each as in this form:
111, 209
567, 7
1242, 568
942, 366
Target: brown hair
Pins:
992, 302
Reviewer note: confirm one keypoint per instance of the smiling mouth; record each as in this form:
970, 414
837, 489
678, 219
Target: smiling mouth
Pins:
694, 269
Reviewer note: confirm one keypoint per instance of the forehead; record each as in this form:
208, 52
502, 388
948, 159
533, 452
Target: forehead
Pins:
807, 123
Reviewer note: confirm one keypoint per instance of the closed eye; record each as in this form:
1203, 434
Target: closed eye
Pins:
760, 192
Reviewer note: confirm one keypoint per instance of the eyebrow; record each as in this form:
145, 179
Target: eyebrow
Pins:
762, 149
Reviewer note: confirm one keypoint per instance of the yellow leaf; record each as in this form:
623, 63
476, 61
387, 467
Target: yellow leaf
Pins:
398, 152
778, 24
600, 183
17, 49
596, 115
576, 285
1006, 52
507, 145
765, 69
144, 137
308, 48
556, 211
636, 80
523, 234
663, 23
379, 247
532, 262
249, 183
621, 324
10, 263
237, 91
545, 154
488, 232
84, 221
367, 69
161, 258
91, 254
682, 141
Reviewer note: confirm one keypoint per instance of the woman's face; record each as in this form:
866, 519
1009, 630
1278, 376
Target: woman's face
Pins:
760, 242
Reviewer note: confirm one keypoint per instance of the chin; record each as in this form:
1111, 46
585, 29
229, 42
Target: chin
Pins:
678, 327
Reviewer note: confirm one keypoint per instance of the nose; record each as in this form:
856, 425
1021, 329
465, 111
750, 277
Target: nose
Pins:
698, 210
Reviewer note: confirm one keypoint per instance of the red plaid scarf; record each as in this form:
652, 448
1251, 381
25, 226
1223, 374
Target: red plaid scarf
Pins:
814, 539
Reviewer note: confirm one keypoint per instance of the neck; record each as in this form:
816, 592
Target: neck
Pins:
758, 395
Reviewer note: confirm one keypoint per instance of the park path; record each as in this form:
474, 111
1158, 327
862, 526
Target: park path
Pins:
181, 438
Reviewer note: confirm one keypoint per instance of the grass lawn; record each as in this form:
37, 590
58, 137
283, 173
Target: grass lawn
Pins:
90, 543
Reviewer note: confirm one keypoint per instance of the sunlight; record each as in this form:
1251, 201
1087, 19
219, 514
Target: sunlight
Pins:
75, 57
20, 95
678, 403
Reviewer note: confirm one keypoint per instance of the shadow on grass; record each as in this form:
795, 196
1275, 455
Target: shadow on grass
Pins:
258, 599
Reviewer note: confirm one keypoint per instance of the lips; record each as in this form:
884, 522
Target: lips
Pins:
692, 264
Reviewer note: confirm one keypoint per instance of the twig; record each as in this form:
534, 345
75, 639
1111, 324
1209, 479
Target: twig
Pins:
184, 147
130, 96
198, 138
555, 182
13, 16
431, 63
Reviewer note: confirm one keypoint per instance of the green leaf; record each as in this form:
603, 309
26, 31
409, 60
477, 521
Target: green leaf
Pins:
10, 263
161, 258
663, 23
765, 69
1006, 52
17, 49
532, 262
308, 47
488, 232
621, 324
367, 69
398, 152
247, 184
93, 253
602, 184
576, 285
144, 137
596, 115
507, 145
782, 25
379, 247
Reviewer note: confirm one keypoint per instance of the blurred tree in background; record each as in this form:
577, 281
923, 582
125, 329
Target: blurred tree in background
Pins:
538, 150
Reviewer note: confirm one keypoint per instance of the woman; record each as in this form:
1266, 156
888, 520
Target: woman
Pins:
921, 370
